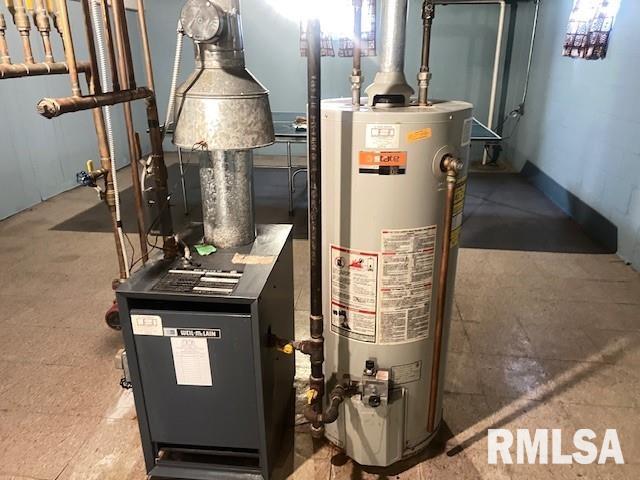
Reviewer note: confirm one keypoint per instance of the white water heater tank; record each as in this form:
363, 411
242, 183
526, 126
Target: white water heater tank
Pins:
383, 204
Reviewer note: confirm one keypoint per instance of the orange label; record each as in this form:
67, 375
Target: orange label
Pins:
419, 135
383, 159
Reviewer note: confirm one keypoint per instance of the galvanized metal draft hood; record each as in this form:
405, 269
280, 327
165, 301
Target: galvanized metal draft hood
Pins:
221, 106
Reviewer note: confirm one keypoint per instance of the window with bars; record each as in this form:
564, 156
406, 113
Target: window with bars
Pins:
589, 29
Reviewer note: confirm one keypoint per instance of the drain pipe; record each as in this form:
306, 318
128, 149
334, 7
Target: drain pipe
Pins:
424, 75
452, 166
356, 74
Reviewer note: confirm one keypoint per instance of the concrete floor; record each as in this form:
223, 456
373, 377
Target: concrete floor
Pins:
539, 340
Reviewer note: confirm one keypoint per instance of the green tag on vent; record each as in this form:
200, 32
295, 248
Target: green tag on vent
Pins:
204, 250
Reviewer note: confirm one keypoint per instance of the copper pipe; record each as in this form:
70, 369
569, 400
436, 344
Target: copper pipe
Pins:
54, 107
105, 161
38, 69
122, 40
23, 24
5, 58
142, 24
125, 81
451, 166
69, 51
108, 40
95, 88
41, 19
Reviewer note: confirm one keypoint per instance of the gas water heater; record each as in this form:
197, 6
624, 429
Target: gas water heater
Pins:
393, 188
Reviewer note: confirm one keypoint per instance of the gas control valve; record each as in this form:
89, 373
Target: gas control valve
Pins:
375, 385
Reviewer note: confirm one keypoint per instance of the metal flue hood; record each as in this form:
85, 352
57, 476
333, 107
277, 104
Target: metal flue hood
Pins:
221, 106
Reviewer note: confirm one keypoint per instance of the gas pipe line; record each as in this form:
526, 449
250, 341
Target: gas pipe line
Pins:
452, 166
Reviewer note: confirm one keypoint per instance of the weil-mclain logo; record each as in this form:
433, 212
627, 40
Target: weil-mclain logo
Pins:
545, 447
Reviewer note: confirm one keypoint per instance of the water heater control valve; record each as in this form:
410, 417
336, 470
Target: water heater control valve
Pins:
375, 385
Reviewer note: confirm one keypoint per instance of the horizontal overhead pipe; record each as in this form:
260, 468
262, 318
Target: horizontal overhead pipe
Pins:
54, 107
18, 70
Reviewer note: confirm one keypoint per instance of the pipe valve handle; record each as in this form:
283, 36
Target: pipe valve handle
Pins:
85, 179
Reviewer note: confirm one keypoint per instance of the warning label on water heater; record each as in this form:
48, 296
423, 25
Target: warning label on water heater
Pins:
354, 290
406, 283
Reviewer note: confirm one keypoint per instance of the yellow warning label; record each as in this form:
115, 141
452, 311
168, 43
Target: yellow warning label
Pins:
458, 209
419, 135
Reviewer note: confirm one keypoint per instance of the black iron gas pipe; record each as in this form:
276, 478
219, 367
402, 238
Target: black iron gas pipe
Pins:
316, 381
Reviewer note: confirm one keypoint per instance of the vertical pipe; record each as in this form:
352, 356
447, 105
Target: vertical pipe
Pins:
122, 35
142, 22
424, 75
5, 58
531, 49
23, 24
156, 137
69, 52
124, 82
316, 380
41, 19
101, 130
451, 166
95, 85
108, 40
356, 74
226, 180
393, 35
496, 71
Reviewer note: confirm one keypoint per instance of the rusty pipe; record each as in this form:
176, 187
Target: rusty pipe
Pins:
122, 42
23, 24
62, 19
424, 74
38, 69
108, 40
452, 166
5, 58
41, 20
142, 24
54, 107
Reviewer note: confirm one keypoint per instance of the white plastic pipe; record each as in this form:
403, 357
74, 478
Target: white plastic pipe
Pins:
97, 19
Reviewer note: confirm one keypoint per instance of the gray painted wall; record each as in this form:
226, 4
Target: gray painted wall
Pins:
581, 123
45, 164
38, 157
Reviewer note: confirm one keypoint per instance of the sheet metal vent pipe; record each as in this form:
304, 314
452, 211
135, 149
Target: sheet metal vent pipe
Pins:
222, 110
390, 87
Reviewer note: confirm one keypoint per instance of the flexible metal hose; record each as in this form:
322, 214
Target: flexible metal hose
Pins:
96, 17
174, 79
